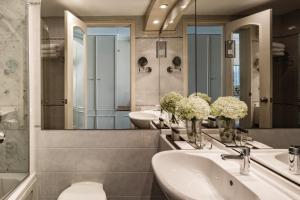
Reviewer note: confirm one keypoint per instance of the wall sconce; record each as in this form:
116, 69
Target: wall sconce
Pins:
229, 49
161, 49
142, 65
176, 65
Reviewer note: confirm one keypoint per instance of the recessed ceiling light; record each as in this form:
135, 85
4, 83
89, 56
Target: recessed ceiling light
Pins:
155, 21
163, 6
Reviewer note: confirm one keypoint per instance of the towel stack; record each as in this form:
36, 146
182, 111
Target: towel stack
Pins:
278, 49
50, 50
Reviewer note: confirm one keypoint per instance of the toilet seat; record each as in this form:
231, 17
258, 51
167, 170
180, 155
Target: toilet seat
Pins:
83, 191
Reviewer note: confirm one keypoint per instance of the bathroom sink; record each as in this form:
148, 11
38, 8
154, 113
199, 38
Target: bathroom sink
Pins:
277, 160
142, 119
202, 174
283, 157
191, 175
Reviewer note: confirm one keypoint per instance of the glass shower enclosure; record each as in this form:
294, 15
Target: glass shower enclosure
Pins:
14, 126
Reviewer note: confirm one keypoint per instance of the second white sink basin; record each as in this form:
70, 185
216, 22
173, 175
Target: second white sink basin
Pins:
142, 119
277, 160
203, 175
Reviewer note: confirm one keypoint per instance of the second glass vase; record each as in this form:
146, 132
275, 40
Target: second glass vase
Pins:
193, 130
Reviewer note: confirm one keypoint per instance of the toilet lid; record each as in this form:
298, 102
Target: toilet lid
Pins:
83, 191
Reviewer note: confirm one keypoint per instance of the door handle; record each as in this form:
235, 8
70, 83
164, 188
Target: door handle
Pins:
263, 99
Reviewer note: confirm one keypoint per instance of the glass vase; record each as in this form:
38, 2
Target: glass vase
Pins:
226, 130
193, 130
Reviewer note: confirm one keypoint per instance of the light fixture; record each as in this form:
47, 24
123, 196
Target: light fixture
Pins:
155, 22
292, 28
171, 21
183, 6
163, 6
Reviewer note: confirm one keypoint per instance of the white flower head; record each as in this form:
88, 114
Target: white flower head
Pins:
202, 96
192, 108
169, 102
229, 107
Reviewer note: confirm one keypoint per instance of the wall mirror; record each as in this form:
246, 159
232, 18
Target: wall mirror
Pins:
265, 86
263, 73
88, 71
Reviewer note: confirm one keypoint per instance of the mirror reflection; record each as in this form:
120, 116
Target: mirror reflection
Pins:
124, 83
245, 73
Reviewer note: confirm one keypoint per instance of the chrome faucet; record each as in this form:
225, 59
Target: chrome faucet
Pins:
244, 156
294, 159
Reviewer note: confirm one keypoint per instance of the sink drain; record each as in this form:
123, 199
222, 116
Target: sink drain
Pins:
231, 183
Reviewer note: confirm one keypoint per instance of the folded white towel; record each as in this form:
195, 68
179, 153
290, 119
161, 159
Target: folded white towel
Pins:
50, 46
278, 49
278, 53
278, 45
50, 51
50, 55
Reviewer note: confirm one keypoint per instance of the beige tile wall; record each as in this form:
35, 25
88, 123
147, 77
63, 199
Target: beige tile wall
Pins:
121, 160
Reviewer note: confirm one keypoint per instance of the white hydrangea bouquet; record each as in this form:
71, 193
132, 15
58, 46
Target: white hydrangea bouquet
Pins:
202, 96
227, 110
193, 110
229, 107
169, 102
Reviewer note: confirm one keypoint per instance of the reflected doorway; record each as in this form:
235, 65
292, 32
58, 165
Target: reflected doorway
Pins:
245, 73
209, 62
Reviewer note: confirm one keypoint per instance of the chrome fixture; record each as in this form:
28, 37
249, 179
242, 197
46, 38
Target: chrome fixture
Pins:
294, 159
2, 137
161, 49
244, 156
143, 61
176, 65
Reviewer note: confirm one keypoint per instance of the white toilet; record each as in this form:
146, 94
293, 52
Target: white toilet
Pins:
83, 191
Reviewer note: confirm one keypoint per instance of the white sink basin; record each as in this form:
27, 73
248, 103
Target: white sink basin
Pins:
203, 175
188, 175
142, 119
283, 157
277, 160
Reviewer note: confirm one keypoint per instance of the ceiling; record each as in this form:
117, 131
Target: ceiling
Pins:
139, 7
223, 7
95, 7
233, 7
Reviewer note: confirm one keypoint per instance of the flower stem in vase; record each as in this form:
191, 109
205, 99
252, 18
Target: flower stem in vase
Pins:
226, 129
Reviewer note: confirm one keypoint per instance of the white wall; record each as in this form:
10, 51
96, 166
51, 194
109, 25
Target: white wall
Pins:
151, 86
